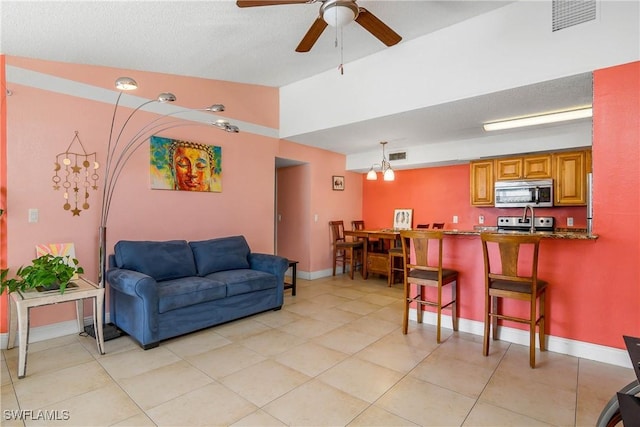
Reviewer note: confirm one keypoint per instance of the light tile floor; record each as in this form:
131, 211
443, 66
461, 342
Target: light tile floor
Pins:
333, 356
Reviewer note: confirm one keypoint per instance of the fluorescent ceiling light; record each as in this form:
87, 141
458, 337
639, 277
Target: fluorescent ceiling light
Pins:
561, 116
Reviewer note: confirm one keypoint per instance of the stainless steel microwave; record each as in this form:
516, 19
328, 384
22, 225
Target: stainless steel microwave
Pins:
517, 194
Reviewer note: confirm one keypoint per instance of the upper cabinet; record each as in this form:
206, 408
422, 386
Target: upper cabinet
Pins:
537, 167
508, 168
482, 180
570, 175
567, 169
523, 167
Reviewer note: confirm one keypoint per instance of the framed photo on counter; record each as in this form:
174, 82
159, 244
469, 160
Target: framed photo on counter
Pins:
402, 219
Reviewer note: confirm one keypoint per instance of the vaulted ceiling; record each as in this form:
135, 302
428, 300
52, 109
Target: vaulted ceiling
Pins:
218, 40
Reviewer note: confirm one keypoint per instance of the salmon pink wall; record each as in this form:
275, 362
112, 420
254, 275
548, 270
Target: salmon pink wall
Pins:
594, 285
293, 203
53, 100
3, 184
44, 113
317, 197
193, 92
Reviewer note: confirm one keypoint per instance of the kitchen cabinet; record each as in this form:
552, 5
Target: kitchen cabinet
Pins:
537, 167
508, 168
482, 179
523, 167
570, 177
567, 169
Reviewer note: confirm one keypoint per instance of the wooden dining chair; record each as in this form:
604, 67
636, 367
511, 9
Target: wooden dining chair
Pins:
344, 251
396, 264
357, 225
426, 271
505, 278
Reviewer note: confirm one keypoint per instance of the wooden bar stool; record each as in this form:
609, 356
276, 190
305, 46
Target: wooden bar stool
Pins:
503, 279
425, 272
396, 264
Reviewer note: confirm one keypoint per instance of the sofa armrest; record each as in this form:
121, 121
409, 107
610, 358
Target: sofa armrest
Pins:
133, 283
268, 263
133, 302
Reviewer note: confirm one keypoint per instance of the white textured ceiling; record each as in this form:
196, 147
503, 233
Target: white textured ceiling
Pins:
218, 40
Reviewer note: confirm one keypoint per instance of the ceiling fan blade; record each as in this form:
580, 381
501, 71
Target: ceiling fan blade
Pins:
254, 3
312, 35
378, 28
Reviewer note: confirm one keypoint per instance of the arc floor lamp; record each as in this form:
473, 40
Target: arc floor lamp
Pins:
122, 143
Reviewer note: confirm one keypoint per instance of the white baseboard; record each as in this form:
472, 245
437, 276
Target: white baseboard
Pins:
55, 330
599, 353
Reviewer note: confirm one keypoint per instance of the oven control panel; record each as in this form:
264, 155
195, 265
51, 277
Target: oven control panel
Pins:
541, 223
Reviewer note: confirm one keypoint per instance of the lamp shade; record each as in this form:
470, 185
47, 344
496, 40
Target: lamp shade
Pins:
166, 97
389, 175
372, 175
126, 83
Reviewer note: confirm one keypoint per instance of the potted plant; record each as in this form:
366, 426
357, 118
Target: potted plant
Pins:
47, 272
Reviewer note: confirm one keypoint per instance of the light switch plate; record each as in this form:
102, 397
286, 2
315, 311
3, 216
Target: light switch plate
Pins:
33, 215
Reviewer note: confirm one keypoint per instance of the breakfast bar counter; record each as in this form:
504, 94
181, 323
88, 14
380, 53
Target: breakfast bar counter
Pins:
558, 233
378, 261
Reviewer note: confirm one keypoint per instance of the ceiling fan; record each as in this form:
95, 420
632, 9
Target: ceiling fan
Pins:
336, 13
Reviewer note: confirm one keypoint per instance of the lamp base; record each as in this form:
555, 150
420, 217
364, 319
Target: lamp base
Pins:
109, 331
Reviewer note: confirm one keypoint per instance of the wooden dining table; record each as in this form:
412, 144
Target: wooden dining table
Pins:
376, 260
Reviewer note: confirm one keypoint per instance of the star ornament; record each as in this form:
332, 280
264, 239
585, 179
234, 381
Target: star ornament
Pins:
76, 212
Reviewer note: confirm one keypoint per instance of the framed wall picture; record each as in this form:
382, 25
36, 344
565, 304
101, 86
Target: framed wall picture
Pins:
185, 165
338, 183
402, 219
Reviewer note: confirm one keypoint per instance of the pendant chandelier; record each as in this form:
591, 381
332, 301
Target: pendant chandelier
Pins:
385, 168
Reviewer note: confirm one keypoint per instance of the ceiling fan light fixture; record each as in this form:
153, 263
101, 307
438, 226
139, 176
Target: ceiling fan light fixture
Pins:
338, 13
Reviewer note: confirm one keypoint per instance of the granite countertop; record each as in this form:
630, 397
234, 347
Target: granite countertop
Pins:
559, 233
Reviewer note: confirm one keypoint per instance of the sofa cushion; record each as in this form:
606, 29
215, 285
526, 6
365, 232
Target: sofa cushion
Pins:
188, 291
243, 281
161, 260
226, 253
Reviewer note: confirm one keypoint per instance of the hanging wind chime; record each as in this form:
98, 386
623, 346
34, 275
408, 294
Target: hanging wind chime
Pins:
76, 173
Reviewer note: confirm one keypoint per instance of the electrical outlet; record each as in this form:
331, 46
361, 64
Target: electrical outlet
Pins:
315, 217
481, 219
455, 219
570, 221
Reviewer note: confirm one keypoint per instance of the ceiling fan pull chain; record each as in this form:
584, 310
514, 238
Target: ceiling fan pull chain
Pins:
341, 67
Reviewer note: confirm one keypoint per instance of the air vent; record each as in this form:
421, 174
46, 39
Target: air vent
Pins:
567, 13
398, 156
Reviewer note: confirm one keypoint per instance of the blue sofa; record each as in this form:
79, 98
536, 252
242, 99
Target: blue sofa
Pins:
160, 290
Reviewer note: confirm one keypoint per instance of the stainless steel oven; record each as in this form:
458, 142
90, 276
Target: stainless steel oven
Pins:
517, 194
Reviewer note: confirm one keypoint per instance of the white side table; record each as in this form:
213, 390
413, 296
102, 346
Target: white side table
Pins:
22, 302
